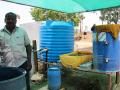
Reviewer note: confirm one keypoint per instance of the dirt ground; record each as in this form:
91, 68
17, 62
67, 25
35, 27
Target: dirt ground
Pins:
83, 43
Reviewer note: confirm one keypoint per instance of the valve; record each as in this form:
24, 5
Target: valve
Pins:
106, 42
107, 60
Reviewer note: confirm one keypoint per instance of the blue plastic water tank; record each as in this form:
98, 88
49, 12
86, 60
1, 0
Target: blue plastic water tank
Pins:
54, 78
106, 53
58, 37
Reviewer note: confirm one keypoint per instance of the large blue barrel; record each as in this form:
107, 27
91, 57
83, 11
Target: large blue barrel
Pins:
58, 37
12, 79
54, 78
106, 53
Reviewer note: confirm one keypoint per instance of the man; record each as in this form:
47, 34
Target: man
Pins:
15, 46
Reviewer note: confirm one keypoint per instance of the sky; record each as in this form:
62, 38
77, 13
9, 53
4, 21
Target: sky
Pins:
25, 17
90, 19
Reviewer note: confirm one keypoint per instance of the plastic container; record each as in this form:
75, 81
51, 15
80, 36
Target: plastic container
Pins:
106, 53
58, 37
12, 79
54, 78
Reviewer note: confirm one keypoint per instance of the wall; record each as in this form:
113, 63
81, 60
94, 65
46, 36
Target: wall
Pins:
33, 31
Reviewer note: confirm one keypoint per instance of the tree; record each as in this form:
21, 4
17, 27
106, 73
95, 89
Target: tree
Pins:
40, 14
110, 15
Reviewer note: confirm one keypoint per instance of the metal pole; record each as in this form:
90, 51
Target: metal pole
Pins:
109, 82
117, 77
45, 65
35, 55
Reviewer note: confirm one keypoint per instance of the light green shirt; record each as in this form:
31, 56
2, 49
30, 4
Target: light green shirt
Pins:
13, 47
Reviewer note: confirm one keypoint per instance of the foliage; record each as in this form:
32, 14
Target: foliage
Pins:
40, 14
110, 15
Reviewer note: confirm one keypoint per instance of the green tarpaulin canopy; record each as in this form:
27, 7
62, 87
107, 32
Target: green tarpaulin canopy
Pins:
70, 6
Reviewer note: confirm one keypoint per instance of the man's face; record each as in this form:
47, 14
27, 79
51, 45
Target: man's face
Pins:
10, 22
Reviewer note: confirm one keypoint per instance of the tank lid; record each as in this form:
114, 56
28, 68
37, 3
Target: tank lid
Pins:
56, 24
54, 68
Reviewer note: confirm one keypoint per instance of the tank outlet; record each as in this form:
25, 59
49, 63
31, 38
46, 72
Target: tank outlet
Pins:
107, 60
106, 42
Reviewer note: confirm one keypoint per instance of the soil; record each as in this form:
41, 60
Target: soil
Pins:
84, 43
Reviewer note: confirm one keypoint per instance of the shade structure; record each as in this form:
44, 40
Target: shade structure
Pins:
70, 6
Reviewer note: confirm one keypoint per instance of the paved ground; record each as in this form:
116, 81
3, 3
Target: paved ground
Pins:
44, 88
84, 43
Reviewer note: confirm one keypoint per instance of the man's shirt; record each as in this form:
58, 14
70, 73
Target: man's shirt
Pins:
13, 47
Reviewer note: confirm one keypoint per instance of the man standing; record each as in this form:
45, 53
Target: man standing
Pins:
15, 46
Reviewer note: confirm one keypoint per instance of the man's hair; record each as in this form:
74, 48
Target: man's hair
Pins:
11, 14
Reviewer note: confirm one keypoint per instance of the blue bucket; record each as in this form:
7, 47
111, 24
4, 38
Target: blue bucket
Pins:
54, 78
12, 78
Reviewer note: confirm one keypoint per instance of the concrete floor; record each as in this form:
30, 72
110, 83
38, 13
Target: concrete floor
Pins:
44, 88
